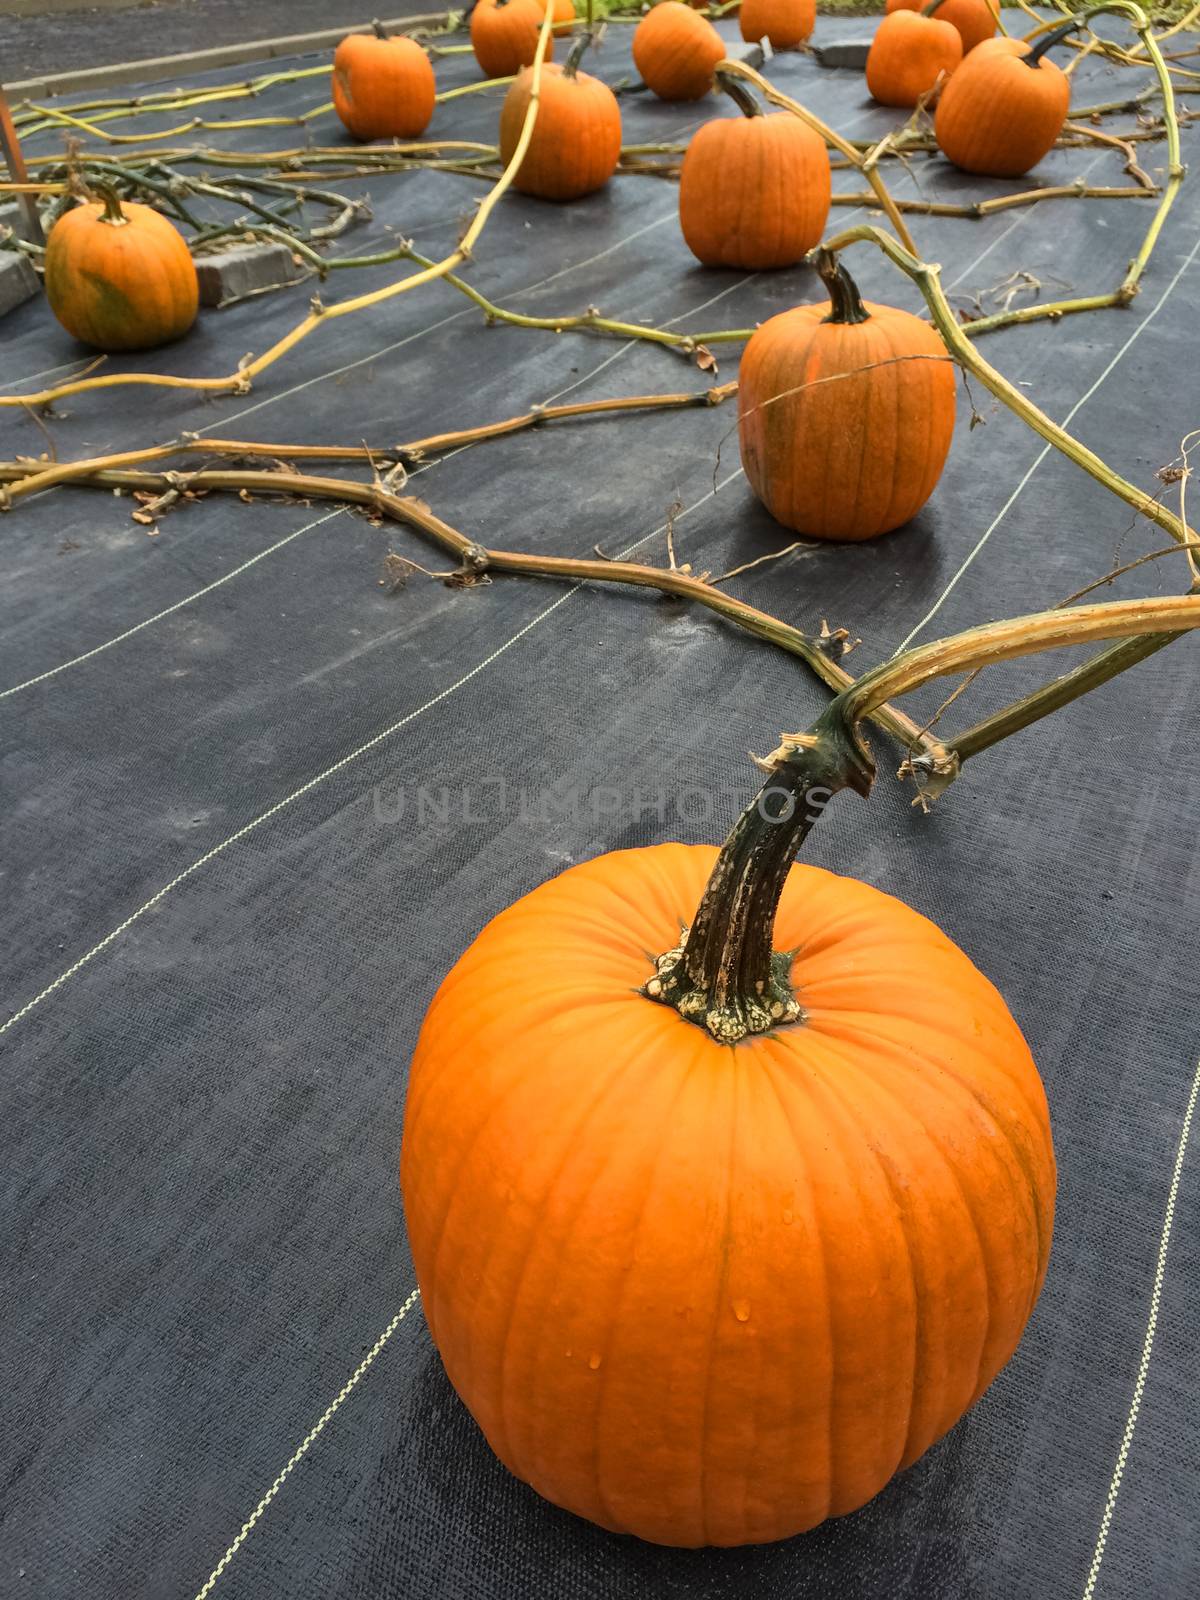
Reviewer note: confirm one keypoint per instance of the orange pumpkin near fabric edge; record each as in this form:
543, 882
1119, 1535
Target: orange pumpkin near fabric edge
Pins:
1002, 111
676, 51
754, 190
909, 52
576, 140
504, 35
787, 24
975, 20
707, 1293
119, 276
383, 88
858, 456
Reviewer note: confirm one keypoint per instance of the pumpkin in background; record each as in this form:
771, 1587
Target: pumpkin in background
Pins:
1005, 106
787, 24
576, 140
119, 276
754, 190
382, 88
857, 456
564, 15
976, 20
709, 1293
908, 54
676, 51
504, 35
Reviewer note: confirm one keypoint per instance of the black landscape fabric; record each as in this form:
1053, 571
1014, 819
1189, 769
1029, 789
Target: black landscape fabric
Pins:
237, 863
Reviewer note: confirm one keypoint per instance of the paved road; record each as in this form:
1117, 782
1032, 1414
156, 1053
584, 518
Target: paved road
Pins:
61, 41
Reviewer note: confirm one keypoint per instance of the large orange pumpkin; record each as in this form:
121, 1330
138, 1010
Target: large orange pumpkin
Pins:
908, 54
576, 140
786, 23
1005, 106
382, 88
119, 276
676, 51
706, 1291
504, 35
754, 190
845, 413
976, 20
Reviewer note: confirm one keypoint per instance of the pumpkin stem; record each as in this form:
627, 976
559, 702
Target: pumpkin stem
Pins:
739, 94
725, 974
575, 53
927, 11
1049, 40
112, 213
378, 29
845, 302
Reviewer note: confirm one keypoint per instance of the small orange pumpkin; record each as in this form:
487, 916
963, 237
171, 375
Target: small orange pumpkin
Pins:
754, 190
382, 88
1005, 106
576, 140
676, 51
119, 276
709, 1287
564, 15
909, 52
786, 23
504, 35
858, 456
976, 20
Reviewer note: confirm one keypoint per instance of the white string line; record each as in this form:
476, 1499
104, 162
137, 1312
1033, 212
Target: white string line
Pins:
361, 1370
1139, 1387
624, 349
309, 1439
329, 772
69, 367
1021, 216
1046, 448
168, 610
262, 555
455, 316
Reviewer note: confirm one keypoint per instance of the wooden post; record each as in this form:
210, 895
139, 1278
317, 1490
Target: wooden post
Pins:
10, 146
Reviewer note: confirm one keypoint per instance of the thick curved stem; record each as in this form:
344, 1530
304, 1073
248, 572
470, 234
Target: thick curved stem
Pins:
726, 974
845, 302
1049, 40
738, 93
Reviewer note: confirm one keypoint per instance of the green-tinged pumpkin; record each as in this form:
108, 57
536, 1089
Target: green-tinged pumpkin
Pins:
382, 88
1004, 108
119, 276
754, 190
576, 139
845, 414
712, 1292
676, 51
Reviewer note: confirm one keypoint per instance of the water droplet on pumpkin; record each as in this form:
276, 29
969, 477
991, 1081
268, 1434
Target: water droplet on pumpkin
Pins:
594, 1360
788, 1218
566, 1353
741, 1310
